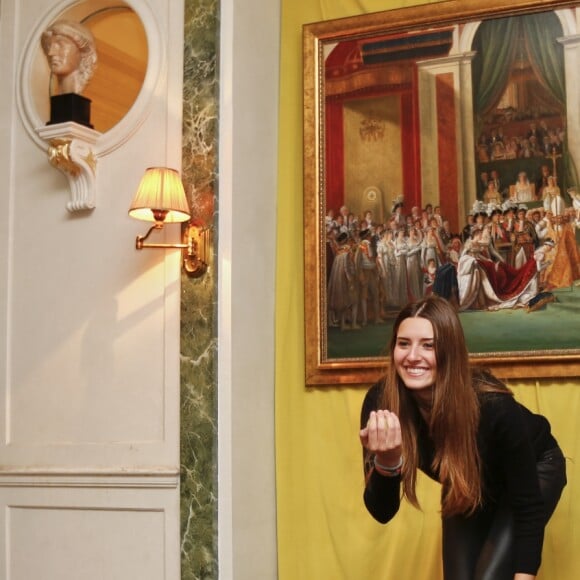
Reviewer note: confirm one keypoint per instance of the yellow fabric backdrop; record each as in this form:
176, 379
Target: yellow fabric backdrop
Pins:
324, 531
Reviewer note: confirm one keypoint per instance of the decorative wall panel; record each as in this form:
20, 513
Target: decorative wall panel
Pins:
199, 299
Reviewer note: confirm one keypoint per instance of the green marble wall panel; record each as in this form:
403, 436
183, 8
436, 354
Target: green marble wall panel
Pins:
199, 299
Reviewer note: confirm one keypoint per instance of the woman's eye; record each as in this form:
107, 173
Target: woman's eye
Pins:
428, 345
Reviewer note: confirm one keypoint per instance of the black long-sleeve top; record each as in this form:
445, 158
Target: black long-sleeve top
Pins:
510, 441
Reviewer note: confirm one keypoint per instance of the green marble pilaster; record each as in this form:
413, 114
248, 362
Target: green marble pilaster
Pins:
199, 299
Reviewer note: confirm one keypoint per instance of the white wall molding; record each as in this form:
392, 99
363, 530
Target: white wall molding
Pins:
89, 340
89, 329
137, 479
61, 534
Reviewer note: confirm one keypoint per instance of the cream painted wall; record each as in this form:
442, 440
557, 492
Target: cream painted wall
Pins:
89, 334
249, 74
89, 328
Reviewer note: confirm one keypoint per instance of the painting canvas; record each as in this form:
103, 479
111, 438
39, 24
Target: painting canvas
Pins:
442, 154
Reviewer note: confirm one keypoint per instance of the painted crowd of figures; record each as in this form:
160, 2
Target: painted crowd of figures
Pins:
503, 258
539, 140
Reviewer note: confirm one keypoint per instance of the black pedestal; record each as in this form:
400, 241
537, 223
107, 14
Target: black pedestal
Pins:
70, 107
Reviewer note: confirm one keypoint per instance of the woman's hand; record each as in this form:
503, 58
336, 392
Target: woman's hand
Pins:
382, 436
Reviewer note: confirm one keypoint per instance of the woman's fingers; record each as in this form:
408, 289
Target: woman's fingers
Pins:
371, 431
393, 431
364, 437
382, 432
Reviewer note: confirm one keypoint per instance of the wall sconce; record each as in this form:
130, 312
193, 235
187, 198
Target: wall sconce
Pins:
160, 199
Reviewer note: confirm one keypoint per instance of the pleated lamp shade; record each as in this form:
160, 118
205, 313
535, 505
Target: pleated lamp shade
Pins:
160, 197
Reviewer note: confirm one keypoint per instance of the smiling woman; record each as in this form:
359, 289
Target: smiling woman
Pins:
501, 470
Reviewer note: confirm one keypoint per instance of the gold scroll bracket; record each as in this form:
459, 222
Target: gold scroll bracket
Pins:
71, 149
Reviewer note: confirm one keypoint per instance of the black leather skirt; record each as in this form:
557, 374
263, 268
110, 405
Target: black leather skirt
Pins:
480, 547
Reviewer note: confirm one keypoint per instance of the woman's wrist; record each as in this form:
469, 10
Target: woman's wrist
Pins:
388, 470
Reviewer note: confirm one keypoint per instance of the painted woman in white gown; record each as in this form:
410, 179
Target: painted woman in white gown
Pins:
387, 268
523, 190
415, 273
552, 198
430, 248
401, 296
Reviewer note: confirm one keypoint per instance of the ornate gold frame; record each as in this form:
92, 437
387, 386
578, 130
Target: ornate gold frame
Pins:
320, 370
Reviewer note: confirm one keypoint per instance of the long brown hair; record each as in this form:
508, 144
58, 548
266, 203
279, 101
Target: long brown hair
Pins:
454, 415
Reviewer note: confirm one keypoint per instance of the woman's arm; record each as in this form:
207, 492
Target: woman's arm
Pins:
380, 437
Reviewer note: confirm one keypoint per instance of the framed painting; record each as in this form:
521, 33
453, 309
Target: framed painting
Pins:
441, 155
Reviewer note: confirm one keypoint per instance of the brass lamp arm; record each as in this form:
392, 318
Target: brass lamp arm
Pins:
194, 253
140, 239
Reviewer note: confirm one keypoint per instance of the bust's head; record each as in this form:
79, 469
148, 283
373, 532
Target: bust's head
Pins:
70, 50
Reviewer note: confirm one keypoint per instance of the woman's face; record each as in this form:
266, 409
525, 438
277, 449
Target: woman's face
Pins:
414, 353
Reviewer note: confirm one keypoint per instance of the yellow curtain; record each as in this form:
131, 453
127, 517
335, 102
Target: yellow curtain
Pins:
324, 531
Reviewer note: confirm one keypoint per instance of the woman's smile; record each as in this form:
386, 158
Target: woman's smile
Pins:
414, 353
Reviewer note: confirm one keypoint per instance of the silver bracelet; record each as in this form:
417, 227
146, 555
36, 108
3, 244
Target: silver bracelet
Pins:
395, 469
